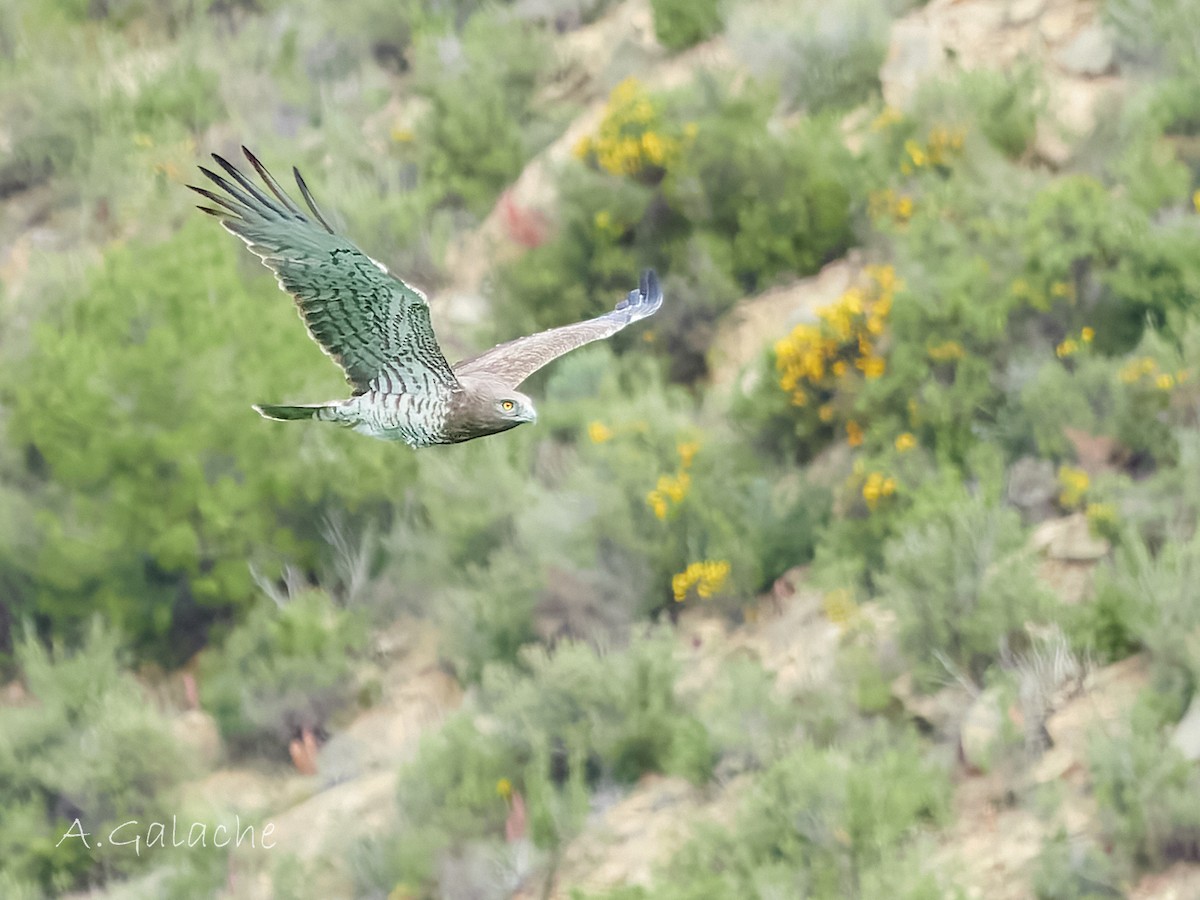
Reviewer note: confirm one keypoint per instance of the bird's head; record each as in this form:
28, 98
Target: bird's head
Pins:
485, 407
513, 406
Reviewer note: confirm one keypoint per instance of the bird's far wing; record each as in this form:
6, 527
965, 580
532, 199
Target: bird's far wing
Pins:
512, 362
375, 326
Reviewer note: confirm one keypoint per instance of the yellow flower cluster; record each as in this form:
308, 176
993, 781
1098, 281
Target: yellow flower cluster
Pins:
889, 204
942, 148
1073, 484
1102, 518
947, 351
1146, 370
877, 487
504, 788
905, 442
886, 119
839, 606
673, 488
598, 432
1070, 346
630, 139
812, 359
707, 577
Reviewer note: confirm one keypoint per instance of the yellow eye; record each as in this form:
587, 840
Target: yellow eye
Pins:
507, 405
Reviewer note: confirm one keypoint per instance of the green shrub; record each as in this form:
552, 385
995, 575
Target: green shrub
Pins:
157, 483
1144, 789
281, 671
820, 56
816, 824
91, 748
588, 263
961, 587
780, 202
475, 137
1159, 33
1153, 592
682, 23
1073, 869
622, 706
1002, 106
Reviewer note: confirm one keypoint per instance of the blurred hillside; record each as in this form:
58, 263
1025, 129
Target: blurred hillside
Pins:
865, 569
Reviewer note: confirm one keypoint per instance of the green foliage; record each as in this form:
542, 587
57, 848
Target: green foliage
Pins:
818, 823
475, 137
819, 56
1002, 106
780, 201
1159, 33
1073, 869
547, 731
282, 670
682, 23
960, 585
90, 748
157, 483
590, 261
1151, 596
1144, 789
621, 706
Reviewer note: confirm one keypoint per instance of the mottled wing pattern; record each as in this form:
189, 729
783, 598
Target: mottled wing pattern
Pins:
512, 362
376, 327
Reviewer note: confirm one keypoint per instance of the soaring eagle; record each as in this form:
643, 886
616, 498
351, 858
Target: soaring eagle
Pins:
377, 328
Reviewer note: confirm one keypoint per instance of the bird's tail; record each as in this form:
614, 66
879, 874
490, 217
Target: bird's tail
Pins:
321, 411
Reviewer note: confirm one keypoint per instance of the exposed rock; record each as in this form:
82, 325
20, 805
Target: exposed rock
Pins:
982, 730
1186, 738
913, 55
363, 806
1032, 487
198, 732
946, 36
1069, 538
1089, 53
990, 844
1180, 882
1024, 11
1107, 695
796, 640
247, 792
387, 733
1069, 554
627, 841
941, 712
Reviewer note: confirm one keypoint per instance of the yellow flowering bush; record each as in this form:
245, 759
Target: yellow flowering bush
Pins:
940, 150
890, 205
876, 488
1073, 486
671, 490
817, 360
1145, 371
632, 139
707, 577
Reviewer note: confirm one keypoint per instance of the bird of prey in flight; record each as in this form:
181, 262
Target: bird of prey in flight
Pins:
377, 328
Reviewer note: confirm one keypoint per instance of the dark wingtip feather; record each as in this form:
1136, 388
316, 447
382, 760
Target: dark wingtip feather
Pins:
249, 186
213, 212
646, 299
308, 198
270, 182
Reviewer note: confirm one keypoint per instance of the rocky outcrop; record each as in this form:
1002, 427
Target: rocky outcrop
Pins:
1065, 39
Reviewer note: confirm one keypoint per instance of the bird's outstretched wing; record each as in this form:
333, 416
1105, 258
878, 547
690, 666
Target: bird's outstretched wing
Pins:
512, 362
375, 326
